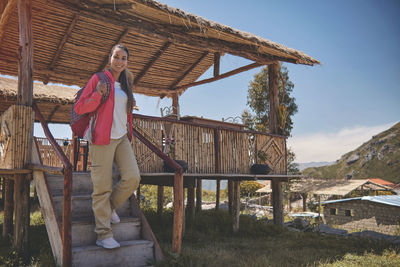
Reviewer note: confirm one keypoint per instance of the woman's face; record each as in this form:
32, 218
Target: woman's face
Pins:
119, 60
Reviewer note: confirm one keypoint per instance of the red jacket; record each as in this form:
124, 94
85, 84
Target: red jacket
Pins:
90, 100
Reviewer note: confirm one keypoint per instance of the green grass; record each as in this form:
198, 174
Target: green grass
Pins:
209, 241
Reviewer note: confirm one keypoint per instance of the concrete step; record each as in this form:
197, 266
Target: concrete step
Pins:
81, 183
131, 253
83, 230
82, 206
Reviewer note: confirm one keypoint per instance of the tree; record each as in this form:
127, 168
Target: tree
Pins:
258, 101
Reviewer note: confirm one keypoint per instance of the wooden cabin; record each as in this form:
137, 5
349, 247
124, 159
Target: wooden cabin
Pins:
66, 41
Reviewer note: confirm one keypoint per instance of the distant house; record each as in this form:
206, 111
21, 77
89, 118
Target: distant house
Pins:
381, 182
376, 213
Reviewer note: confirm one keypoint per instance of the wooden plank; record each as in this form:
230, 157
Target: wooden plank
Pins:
47, 207
14, 171
178, 213
188, 182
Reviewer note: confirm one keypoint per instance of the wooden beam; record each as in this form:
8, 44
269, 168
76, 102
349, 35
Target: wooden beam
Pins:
153, 59
189, 70
175, 34
175, 104
107, 58
222, 76
61, 45
52, 113
14, 171
160, 200
217, 57
8, 10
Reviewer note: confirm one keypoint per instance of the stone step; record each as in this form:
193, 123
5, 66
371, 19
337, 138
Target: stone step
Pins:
131, 253
81, 183
82, 206
83, 230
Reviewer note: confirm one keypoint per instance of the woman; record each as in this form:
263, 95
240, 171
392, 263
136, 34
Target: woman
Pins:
110, 142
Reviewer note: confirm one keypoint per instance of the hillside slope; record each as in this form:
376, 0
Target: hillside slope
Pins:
379, 157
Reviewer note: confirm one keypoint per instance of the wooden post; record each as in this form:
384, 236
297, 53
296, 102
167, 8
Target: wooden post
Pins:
25, 95
217, 194
190, 204
178, 213
8, 208
138, 195
199, 192
160, 199
236, 205
217, 57
175, 104
230, 196
304, 195
277, 193
22, 218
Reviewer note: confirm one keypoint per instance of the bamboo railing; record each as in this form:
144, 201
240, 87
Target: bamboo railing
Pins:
67, 193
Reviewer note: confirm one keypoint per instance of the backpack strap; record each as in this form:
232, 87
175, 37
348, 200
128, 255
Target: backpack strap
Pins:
104, 78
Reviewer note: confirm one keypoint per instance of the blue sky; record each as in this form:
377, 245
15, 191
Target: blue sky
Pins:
353, 95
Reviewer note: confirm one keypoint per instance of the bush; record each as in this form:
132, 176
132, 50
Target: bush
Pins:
249, 188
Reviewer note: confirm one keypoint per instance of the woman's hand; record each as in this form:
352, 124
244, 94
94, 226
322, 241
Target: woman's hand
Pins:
101, 87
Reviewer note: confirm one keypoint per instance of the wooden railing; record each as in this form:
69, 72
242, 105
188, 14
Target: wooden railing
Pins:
209, 149
67, 193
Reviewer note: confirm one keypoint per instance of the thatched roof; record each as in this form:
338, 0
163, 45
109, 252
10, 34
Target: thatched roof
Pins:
334, 186
170, 48
53, 101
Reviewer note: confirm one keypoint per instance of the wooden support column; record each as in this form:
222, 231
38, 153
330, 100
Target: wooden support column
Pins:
277, 193
217, 57
138, 195
304, 196
217, 149
160, 200
178, 213
199, 192
25, 95
236, 205
217, 194
8, 208
230, 196
175, 104
190, 204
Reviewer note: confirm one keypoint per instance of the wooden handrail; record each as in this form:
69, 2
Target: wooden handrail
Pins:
67, 194
178, 192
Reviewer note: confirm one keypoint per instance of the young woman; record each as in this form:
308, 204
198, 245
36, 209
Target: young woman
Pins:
110, 143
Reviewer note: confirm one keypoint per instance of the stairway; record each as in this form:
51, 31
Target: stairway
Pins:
134, 250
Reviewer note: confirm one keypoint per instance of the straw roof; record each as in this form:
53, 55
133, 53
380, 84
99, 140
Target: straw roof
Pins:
334, 187
170, 48
53, 101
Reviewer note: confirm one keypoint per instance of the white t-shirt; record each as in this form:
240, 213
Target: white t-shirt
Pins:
118, 128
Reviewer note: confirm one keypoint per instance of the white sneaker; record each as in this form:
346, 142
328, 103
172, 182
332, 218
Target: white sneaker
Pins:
108, 243
114, 217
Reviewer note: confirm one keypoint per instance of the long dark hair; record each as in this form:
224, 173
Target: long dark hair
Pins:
123, 79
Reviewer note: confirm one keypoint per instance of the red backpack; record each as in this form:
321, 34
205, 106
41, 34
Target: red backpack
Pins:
79, 122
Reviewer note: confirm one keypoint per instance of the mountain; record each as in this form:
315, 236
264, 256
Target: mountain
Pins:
379, 157
305, 165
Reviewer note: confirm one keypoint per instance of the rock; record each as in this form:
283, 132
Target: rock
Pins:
353, 158
379, 236
380, 156
301, 224
385, 148
326, 229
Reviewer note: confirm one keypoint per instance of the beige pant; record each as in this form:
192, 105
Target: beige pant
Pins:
105, 197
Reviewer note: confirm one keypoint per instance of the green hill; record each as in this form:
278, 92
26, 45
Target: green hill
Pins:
379, 158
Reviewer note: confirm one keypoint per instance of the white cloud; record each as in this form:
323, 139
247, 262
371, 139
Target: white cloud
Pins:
331, 146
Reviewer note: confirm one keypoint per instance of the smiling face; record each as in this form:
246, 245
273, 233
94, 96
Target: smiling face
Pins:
118, 61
